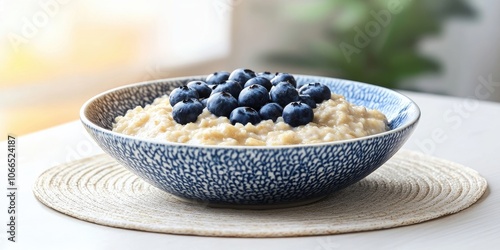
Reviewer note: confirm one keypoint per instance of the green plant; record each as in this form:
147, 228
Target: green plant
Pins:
372, 41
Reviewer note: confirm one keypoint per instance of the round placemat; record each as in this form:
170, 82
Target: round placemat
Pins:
408, 189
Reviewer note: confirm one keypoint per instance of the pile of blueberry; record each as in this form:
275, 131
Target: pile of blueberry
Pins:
244, 96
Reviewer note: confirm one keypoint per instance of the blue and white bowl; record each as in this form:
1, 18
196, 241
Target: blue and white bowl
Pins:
250, 175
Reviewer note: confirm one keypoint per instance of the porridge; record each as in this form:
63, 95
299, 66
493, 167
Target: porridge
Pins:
334, 119
243, 108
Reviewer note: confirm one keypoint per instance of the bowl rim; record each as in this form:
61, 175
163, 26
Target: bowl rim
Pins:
88, 123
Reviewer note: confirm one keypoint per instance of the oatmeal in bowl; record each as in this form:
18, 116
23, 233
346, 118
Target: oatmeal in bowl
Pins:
334, 120
283, 142
332, 117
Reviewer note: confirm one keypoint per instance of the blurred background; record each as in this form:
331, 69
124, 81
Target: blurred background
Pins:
56, 54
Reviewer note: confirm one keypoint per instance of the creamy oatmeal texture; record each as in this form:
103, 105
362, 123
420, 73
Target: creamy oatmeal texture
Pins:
334, 119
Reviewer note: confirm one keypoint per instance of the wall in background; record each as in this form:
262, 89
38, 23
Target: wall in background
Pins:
467, 49
56, 54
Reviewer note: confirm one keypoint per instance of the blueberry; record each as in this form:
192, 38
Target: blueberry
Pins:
307, 99
201, 87
203, 101
319, 92
254, 96
283, 93
284, 77
266, 74
270, 111
230, 86
297, 113
181, 93
187, 111
242, 75
244, 115
221, 104
217, 77
260, 81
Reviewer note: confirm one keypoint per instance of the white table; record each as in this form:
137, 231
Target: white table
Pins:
466, 131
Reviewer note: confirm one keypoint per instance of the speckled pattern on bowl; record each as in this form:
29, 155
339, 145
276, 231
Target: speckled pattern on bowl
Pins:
244, 175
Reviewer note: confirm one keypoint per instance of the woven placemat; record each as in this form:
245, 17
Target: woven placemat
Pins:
408, 189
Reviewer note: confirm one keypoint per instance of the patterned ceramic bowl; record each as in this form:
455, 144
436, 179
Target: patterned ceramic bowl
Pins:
251, 176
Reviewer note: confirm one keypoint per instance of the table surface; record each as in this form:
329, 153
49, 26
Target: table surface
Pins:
465, 131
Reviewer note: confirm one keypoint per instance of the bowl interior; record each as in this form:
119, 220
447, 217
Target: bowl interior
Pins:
102, 109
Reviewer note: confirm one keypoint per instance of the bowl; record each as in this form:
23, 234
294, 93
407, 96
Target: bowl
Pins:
250, 176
